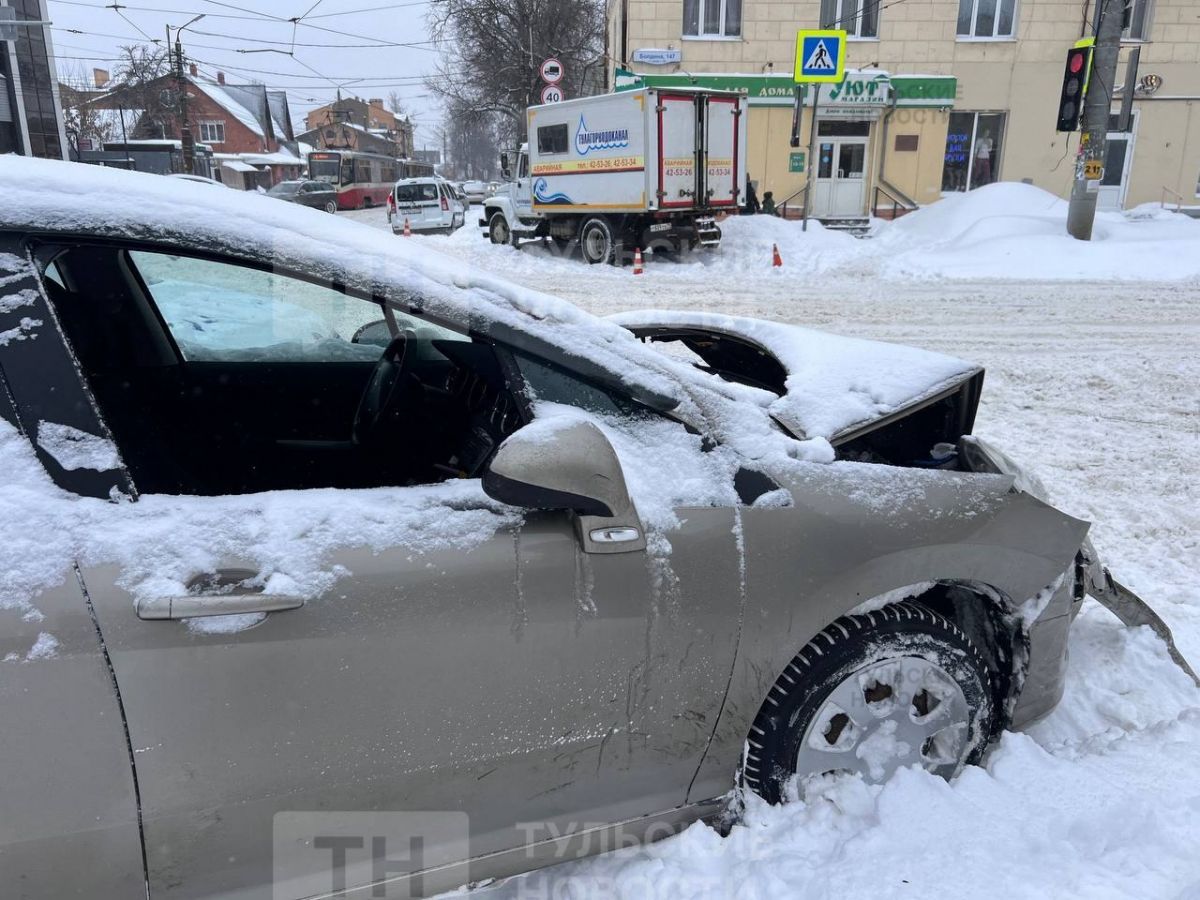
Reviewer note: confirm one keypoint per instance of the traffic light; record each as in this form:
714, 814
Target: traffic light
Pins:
1070, 101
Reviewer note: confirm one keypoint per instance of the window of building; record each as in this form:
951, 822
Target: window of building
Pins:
987, 19
712, 18
973, 145
859, 18
552, 139
212, 132
37, 82
1138, 28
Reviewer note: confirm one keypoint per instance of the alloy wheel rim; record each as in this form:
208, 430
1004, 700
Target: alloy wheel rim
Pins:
886, 715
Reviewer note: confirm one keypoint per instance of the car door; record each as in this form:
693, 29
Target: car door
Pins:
402, 651
69, 822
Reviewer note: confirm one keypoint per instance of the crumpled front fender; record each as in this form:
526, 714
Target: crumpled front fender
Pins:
1123, 603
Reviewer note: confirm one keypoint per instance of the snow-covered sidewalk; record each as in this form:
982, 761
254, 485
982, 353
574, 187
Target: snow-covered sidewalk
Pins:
1093, 385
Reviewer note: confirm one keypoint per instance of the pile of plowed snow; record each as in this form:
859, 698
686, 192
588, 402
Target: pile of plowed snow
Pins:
1004, 231
1017, 231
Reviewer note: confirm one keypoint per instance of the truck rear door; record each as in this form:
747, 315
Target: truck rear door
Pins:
722, 124
677, 132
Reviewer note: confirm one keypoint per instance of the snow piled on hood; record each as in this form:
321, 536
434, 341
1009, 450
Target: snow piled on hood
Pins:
833, 382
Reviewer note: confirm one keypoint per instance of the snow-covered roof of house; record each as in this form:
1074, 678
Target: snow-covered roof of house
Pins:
281, 116
237, 165
234, 100
279, 158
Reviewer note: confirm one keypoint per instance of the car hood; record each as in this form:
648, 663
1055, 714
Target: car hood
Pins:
814, 383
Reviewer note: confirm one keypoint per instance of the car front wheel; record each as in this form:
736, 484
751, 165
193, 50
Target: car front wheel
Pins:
331, 206
870, 694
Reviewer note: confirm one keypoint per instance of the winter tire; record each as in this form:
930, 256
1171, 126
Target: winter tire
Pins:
596, 241
498, 229
870, 694
331, 207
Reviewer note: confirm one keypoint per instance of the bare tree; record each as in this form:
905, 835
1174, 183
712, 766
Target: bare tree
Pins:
396, 105
83, 118
495, 48
139, 85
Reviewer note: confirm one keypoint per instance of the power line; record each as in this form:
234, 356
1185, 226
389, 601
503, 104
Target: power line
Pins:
352, 12
417, 44
243, 9
174, 12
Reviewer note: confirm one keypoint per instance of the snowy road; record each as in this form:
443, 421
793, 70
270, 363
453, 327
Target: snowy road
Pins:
1094, 387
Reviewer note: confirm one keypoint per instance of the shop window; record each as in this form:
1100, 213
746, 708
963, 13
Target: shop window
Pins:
858, 18
212, 132
1138, 28
712, 18
987, 19
973, 146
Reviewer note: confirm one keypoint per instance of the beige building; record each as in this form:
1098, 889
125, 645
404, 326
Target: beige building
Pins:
940, 95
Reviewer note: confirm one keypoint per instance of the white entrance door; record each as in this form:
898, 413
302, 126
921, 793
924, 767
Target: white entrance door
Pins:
1118, 161
840, 188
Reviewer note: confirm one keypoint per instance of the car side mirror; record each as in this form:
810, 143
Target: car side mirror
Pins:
504, 170
568, 467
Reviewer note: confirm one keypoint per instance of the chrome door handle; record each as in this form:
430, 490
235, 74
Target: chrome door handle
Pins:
160, 608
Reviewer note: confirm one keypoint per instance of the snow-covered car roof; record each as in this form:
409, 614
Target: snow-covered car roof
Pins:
834, 384
55, 197
837, 381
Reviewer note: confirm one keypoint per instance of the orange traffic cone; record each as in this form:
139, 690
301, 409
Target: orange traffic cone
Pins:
407, 228
637, 260
776, 259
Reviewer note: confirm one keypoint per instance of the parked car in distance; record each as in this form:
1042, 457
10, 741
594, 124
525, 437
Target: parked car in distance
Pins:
316, 194
182, 176
476, 191
429, 205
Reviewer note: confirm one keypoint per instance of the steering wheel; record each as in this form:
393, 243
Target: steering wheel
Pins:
387, 385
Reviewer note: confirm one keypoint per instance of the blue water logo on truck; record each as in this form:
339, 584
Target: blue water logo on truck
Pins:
586, 140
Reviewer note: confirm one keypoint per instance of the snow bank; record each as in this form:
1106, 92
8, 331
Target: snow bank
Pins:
1005, 231
1017, 231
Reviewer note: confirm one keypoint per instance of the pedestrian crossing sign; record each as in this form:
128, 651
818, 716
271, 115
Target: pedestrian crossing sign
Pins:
820, 56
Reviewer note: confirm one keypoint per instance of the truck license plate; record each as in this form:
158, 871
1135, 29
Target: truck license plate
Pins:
661, 226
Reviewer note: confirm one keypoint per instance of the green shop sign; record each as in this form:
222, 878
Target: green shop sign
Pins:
796, 161
862, 89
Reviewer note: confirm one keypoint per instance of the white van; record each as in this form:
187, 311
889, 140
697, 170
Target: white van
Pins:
429, 205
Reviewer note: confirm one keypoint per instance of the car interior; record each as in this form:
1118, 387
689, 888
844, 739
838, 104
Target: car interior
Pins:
392, 403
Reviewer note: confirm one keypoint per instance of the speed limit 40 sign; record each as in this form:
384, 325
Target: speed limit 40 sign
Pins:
552, 93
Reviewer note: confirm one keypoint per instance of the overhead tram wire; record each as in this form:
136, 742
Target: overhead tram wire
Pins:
174, 12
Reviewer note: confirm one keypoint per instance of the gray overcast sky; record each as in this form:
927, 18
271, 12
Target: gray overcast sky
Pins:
89, 33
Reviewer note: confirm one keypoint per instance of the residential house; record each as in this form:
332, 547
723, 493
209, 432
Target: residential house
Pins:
340, 124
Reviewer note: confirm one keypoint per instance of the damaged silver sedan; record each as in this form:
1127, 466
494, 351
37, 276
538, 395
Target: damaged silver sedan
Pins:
305, 523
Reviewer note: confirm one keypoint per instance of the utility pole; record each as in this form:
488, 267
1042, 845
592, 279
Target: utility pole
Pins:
1107, 27
181, 85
